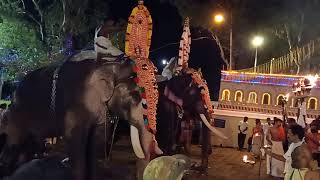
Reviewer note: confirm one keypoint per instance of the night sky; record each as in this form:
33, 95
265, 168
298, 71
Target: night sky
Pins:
167, 25
167, 28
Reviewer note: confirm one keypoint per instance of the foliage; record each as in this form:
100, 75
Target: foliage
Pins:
21, 50
33, 32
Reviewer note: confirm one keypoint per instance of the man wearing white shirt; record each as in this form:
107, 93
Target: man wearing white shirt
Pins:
295, 135
243, 128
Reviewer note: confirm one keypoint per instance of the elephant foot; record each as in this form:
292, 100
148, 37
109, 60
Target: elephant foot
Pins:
200, 169
5, 170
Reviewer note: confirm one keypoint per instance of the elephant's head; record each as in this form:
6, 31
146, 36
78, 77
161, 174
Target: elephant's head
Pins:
182, 90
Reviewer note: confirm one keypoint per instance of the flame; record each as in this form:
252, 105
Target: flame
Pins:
287, 97
257, 134
312, 79
245, 158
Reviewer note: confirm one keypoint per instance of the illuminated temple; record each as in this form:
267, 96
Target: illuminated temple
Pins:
258, 96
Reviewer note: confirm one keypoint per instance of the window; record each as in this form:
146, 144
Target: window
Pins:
225, 95
252, 97
279, 99
266, 99
312, 103
238, 96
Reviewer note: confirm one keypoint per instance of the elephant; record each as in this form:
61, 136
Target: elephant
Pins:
180, 99
70, 100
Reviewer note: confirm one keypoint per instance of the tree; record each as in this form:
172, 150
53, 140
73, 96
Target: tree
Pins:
20, 49
44, 29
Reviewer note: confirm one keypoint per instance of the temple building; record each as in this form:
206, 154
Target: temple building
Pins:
258, 96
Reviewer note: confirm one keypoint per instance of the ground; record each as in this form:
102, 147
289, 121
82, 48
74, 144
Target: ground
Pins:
225, 164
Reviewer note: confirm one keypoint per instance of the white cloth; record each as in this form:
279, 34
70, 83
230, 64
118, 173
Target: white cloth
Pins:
303, 108
256, 145
300, 121
276, 166
243, 125
265, 128
287, 155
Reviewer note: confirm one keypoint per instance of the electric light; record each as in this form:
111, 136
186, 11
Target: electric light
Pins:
164, 62
218, 18
257, 41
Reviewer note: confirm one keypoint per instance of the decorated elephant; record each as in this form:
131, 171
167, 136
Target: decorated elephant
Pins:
184, 97
181, 100
70, 100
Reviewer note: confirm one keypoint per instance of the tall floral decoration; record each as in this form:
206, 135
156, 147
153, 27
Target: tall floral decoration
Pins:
184, 48
138, 41
184, 51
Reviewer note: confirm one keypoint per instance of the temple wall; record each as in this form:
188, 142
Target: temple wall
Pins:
231, 131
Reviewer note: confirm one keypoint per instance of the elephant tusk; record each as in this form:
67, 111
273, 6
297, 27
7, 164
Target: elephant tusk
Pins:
135, 140
214, 130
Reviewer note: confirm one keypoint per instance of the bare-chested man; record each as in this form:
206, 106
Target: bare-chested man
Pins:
275, 137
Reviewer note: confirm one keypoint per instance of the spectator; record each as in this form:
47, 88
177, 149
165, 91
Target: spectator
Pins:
290, 122
257, 138
303, 166
313, 141
275, 138
296, 137
266, 127
243, 128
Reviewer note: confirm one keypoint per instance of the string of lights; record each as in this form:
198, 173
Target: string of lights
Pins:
265, 79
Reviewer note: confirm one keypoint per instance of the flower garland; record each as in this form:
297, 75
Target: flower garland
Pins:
144, 77
198, 79
138, 40
184, 48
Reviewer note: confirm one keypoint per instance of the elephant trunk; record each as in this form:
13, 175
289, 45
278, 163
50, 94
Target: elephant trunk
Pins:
214, 130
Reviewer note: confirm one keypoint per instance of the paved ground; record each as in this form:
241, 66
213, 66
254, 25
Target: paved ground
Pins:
225, 164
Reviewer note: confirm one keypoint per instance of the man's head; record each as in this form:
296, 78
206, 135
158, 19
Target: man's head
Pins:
245, 119
301, 157
269, 121
295, 133
291, 121
277, 122
258, 122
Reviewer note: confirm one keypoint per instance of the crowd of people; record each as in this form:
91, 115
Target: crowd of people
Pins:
291, 151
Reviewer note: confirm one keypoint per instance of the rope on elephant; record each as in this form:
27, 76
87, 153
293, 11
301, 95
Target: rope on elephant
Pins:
138, 41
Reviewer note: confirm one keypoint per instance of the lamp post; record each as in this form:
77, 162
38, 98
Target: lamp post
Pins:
257, 41
218, 19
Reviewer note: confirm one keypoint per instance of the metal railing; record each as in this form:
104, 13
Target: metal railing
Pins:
285, 63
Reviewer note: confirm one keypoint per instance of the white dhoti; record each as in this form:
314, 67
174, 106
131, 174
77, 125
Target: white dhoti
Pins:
301, 121
256, 145
276, 166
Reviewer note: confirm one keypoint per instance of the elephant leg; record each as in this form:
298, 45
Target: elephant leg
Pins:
146, 142
77, 133
187, 143
91, 153
206, 147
